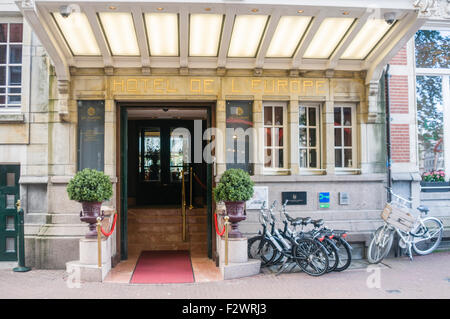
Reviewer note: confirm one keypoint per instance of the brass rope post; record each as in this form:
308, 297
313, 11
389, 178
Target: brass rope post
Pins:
99, 242
183, 204
226, 239
190, 188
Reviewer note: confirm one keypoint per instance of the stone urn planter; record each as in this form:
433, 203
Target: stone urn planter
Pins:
90, 212
236, 212
90, 187
234, 189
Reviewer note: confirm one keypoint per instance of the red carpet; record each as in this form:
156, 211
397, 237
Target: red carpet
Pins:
161, 267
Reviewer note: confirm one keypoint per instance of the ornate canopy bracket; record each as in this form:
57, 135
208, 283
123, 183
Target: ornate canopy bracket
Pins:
63, 98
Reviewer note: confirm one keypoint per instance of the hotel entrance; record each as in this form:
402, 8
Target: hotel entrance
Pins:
166, 187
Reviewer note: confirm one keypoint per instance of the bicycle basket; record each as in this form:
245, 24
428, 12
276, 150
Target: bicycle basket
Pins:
398, 217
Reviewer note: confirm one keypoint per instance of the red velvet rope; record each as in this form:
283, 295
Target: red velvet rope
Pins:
217, 230
199, 181
112, 227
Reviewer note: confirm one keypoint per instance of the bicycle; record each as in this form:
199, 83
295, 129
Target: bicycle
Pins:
421, 234
304, 251
259, 246
323, 235
343, 247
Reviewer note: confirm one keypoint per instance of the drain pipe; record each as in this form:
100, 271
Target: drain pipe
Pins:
388, 133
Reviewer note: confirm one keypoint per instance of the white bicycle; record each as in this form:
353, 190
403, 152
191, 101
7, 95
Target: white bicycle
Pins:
421, 234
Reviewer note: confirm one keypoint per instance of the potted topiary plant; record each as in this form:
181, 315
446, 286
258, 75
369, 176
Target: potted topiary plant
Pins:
234, 189
90, 187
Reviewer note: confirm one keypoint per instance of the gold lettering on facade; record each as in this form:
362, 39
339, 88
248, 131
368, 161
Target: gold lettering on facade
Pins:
170, 90
307, 84
158, 86
241, 85
265, 87
132, 85
121, 83
198, 88
146, 84
282, 84
255, 84
207, 86
319, 86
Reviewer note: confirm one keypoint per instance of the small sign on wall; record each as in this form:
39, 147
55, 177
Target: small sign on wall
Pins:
344, 198
294, 198
260, 195
324, 200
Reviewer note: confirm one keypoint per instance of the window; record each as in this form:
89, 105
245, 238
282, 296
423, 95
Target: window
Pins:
430, 121
10, 65
432, 50
343, 136
274, 128
309, 135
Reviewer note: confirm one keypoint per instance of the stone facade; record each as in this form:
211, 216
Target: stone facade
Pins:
49, 158
42, 137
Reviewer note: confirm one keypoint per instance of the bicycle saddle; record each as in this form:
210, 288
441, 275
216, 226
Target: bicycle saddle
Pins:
289, 218
317, 223
423, 209
305, 221
301, 221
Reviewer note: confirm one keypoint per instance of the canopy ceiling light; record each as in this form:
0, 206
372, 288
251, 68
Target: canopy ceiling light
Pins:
162, 33
77, 32
246, 35
287, 35
120, 33
204, 34
366, 39
330, 33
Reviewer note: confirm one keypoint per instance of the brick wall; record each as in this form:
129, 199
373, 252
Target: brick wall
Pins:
398, 93
400, 57
400, 143
399, 102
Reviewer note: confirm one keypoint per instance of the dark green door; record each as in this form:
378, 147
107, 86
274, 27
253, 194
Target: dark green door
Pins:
161, 157
9, 194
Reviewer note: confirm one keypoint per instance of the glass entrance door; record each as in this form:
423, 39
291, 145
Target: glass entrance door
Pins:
165, 147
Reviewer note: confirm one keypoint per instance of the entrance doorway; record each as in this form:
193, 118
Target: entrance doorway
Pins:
9, 194
157, 150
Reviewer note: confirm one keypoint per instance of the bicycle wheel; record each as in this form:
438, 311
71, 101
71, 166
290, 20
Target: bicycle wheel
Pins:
427, 235
344, 252
311, 257
380, 245
333, 255
260, 248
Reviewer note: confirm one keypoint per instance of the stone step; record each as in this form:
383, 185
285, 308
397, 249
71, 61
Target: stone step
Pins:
167, 219
165, 212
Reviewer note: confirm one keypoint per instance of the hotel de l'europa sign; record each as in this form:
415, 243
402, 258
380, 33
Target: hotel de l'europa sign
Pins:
215, 86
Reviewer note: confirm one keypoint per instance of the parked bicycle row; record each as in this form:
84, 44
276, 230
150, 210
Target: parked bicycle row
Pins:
315, 248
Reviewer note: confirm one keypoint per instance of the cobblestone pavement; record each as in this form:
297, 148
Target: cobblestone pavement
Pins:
424, 277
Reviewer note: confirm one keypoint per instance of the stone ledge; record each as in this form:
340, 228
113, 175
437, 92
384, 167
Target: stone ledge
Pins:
239, 270
319, 178
87, 273
66, 179
33, 180
12, 118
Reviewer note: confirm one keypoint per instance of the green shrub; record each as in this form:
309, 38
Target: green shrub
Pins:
90, 185
234, 185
